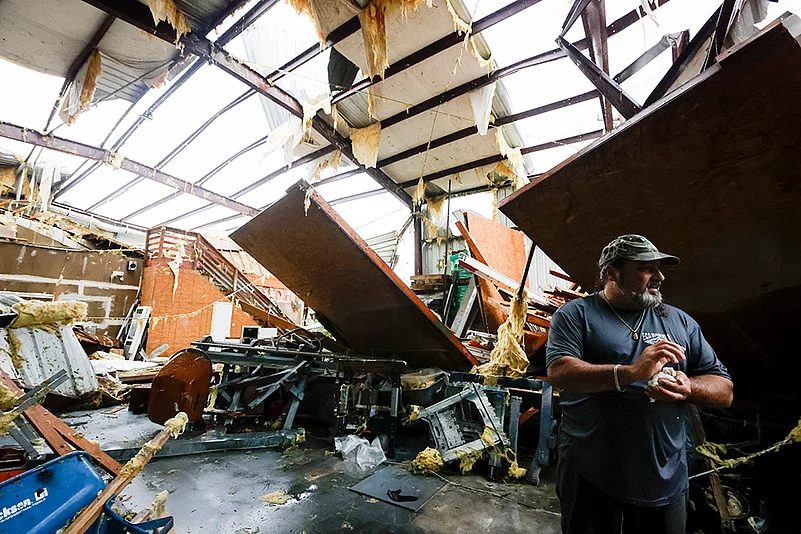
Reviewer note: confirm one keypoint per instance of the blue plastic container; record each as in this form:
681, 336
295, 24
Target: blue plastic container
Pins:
44, 499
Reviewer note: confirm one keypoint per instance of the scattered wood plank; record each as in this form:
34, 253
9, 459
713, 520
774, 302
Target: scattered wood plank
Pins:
61, 438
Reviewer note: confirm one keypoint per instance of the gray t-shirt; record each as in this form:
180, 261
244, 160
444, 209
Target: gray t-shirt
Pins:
622, 443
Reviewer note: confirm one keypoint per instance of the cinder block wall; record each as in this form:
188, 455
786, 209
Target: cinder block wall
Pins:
194, 292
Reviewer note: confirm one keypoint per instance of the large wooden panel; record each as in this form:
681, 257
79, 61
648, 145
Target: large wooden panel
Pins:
710, 173
323, 261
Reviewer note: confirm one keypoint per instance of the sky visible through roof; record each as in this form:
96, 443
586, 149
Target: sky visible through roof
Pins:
26, 98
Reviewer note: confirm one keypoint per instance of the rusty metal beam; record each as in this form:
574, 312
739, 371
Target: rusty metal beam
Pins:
545, 57
726, 15
686, 57
32, 137
436, 47
297, 163
608, 87
593, 19
572, 16
500, 157
175, 151
137, 13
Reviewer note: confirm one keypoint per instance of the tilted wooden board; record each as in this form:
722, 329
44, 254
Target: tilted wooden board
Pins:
709, 173
323, 261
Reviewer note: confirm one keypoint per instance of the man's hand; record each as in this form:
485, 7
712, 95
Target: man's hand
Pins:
670, 391
652, 359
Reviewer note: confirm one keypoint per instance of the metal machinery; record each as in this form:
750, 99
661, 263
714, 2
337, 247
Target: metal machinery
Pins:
471, 404
255, 375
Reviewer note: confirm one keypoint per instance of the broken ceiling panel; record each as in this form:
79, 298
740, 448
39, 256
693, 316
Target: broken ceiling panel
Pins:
323, 261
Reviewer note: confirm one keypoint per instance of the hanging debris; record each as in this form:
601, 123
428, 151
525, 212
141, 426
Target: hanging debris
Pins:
374, 33
365, 143
508, 357
310, 109
481, 102
82, 90
167, 10
514, 155
331, 162
459, 25
419, 193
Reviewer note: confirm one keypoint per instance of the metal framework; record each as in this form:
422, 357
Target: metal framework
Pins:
593, 17
545, 57
100, 155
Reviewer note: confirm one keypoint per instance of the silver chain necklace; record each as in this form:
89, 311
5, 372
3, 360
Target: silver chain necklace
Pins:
634, 331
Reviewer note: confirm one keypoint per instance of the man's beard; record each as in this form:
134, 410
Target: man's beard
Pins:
644, 300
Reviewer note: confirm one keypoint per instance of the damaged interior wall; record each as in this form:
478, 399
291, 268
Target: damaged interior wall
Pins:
186, 316
107, 281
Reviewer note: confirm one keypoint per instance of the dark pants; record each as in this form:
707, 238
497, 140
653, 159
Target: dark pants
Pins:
588, 510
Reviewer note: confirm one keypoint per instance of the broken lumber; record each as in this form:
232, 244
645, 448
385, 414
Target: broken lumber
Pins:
89, 515
61, 438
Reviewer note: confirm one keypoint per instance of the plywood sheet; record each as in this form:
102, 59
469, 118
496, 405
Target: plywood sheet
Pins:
503, 248
710, 173
323, 261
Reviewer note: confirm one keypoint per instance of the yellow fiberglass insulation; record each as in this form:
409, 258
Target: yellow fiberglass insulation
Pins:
167, 10
713, 450
508, 357
157, 507
435, 207
468, 459
7, 398
419, 193
48, 315
135, 465
514, 155
428, 461
365, 143
93, 72
487, 437
14, 349
431, 228
276, 498
515, 471
374, 33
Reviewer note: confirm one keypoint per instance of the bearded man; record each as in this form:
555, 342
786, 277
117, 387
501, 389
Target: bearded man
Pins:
622, 462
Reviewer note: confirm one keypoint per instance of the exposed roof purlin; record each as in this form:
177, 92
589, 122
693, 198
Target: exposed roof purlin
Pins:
174, 152
250, 17
434, 48
258, 183
26, 135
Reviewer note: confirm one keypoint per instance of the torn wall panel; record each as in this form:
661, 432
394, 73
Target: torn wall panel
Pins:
322, 260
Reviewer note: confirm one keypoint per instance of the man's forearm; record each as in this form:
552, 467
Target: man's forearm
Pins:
578, 375
711, 391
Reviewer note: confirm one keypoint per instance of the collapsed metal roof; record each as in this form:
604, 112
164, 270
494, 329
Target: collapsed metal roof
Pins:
212, 117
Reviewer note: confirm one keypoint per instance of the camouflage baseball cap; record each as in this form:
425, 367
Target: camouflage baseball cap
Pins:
633, 247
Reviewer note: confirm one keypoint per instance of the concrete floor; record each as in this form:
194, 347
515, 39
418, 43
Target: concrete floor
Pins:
219, 492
